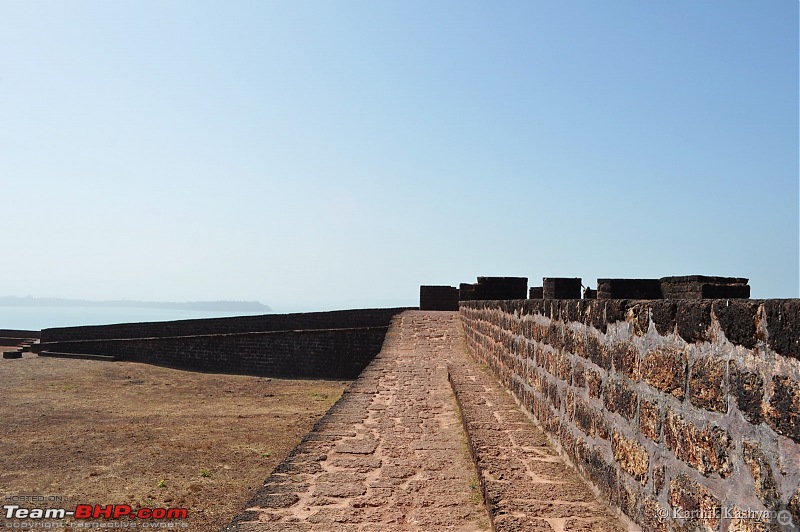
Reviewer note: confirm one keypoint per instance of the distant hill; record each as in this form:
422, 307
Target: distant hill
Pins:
234, 306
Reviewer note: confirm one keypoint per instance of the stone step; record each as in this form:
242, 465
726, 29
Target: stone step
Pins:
79, 356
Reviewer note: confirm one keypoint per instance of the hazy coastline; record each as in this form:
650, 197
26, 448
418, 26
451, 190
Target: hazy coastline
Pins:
33, 313
223, 305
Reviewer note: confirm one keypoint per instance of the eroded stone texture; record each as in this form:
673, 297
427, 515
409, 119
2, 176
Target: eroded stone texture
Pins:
708, 450
579, 376
743, 521
782, 319
626, 359
584, 417
696, 503
783, 411
621, 398
794, 507
665, 369
650, 419
631, 456
594, 382
766, 488
738, 321
748, 390
706, 384
659, 473
693, 319
654, 516
598, 352
664, 315
706, 418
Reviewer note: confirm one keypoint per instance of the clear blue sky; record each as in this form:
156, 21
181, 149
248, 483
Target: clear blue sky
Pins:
335, 154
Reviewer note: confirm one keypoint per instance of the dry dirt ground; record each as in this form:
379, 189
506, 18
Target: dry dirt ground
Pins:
127, 433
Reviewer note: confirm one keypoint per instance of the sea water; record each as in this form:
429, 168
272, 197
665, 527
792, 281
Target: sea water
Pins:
36, 318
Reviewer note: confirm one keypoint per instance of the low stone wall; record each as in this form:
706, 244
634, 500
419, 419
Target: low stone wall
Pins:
16, 333
685, 414
337, 319
313, 352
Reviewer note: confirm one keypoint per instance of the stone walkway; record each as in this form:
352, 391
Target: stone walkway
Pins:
392, 453
527, 485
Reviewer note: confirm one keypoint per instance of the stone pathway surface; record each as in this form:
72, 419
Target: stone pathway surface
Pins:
392, 453
527, 485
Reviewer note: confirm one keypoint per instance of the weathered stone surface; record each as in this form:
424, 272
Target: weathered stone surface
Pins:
626, 359
360, 464
665, 369
783, 411
278, 500
706, 384
601, 426
598, 352
782, 319
748, 390
738, 321
659, 474
628, 495
584, 417
620, 398
578, 376
631, 456
794, 507
639, 318
664, 316
654, 516
362, 446
744, 521
601, 472
694, 502
594, 382
708, 450
617, 310
691, 400
650, 419
693, 319
563, 366
340, 489
766, 487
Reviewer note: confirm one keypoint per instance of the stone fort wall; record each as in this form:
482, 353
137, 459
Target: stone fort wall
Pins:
682, 413
334, 345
